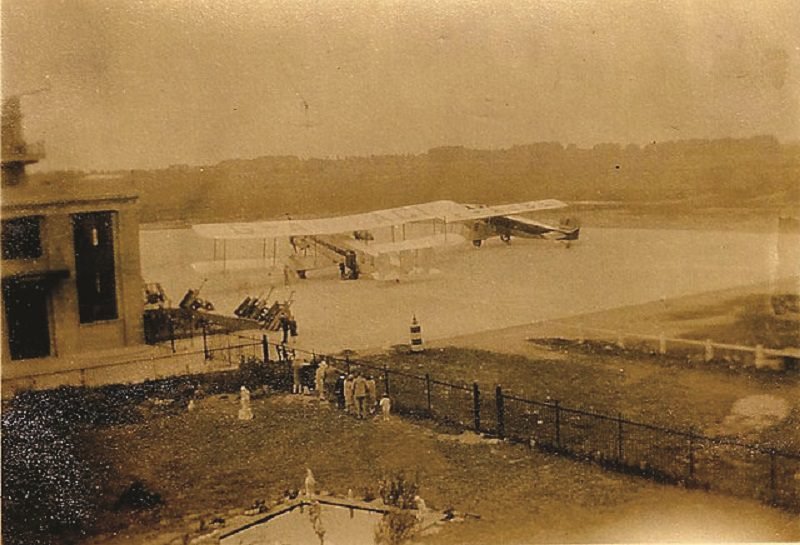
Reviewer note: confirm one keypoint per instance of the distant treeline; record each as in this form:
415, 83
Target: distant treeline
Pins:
758, 171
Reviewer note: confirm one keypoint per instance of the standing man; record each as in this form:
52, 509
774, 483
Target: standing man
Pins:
286, 275
297, 379
308, 376
319, 379
372, 394
360, 393
338, 391
349, 399
284, 323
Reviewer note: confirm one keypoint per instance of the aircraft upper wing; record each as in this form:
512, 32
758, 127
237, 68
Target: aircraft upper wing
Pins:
442, 210
467, 213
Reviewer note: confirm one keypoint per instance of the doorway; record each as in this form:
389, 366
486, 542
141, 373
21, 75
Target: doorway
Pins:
27, 319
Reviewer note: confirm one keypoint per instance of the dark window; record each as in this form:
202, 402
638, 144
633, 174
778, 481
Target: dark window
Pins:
21, 238
26, 319
94, 266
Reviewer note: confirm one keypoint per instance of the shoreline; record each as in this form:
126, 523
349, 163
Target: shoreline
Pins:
621, 215
648, 318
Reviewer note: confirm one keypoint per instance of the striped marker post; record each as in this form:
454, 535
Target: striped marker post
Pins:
416, 336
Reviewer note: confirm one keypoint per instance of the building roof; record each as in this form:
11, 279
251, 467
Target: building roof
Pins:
65, 194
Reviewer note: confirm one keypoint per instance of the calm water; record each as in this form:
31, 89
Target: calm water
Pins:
342, 526
479, 289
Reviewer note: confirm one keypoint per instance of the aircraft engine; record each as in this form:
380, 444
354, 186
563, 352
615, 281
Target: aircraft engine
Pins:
480, 231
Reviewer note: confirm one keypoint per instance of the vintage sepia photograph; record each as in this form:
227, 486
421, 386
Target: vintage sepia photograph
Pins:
346, 272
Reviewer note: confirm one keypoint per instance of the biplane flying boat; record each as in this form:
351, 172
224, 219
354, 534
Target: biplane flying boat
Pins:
349, 242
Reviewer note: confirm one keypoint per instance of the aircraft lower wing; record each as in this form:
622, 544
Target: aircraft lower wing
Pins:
447, 211
419, 243
232, 265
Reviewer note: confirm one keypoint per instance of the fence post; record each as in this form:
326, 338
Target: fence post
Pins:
620, 451
265, 347
428, 391
557, 405
83, 377
386, 378
773, 480
347, 364
662, 344
171, 327
690, 478
476, 406
501, 424
205, 343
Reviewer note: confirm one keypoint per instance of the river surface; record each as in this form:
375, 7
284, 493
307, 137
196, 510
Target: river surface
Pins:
471, 290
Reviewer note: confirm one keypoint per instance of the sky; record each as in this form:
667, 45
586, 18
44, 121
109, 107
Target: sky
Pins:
151, 83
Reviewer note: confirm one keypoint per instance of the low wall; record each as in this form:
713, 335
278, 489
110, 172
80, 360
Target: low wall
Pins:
222, 353
707, 350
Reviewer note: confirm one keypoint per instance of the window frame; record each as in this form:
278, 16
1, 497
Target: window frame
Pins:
10, 242
98, 266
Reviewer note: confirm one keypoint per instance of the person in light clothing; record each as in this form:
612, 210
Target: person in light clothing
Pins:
349, 399
319, 378
372, 394
297, 379
360, 394
386, 406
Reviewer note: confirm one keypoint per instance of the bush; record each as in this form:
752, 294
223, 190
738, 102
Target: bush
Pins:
396, 528
252, 373
137, 497
399, 525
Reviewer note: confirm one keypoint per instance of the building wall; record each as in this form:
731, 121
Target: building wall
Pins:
68, 335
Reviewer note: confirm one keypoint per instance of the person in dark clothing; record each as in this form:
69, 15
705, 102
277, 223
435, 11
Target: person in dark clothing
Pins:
338, 391
284, 322
308, 374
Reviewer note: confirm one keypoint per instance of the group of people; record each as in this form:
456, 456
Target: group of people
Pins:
358, 394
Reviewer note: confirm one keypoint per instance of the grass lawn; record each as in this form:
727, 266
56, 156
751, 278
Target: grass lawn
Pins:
207, 463
666, 393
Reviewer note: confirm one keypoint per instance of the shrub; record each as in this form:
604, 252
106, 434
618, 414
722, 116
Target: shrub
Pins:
399, 525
